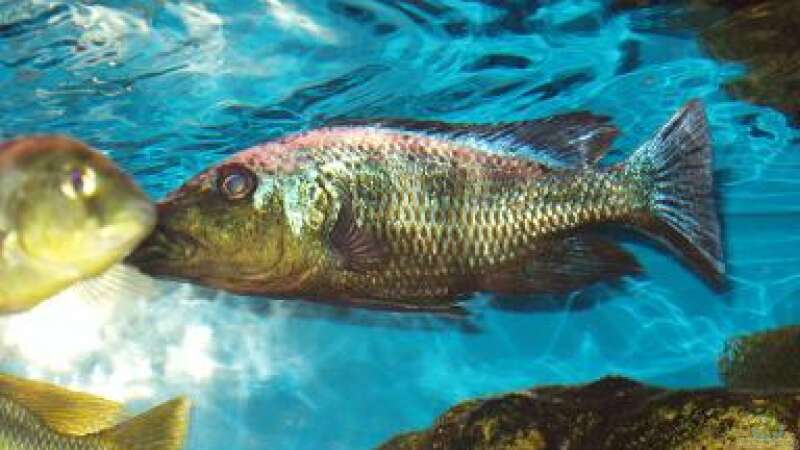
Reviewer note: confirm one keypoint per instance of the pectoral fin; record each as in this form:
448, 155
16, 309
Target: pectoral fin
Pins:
560, 266
357, 247
63, 410
120, 281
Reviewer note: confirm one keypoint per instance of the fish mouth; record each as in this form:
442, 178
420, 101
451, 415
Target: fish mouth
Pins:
164, 248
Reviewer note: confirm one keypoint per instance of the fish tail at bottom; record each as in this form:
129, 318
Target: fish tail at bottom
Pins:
162, 428
675, 170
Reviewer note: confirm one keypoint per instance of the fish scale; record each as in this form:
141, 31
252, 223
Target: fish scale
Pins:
479, 239
40, 416
21, 430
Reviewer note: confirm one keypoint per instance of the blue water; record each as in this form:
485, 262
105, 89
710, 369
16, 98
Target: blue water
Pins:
169, 87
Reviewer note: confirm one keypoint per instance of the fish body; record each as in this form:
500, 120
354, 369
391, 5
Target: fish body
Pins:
40, 416
410, 215
67, 213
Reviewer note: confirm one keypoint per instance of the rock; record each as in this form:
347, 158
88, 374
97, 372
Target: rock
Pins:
765, 37
762, 34
693, 4
615, 414
769, 360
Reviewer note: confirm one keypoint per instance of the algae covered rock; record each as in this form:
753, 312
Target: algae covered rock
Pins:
768, 360
615, 414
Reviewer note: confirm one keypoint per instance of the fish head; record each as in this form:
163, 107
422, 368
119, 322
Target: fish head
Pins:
228, 228
72, 208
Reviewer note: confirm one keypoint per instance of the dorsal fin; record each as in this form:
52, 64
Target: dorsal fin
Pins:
63, 410
565, 140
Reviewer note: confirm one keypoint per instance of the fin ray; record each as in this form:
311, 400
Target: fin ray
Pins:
359, 249
565, 140
119, 281
63, 410
161, 428
683, 213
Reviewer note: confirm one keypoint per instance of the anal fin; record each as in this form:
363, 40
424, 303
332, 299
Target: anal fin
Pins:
563, 265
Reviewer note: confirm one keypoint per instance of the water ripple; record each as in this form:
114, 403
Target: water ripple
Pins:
168, 87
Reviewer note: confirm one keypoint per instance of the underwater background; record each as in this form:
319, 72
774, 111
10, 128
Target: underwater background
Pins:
167, 88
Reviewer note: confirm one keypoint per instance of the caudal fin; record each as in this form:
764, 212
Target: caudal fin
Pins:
162, 428
677, 166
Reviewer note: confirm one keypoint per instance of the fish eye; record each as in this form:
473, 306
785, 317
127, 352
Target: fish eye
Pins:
76, 177
79, 183
236, 181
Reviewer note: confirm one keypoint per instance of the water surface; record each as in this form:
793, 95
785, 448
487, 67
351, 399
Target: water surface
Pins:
169, 87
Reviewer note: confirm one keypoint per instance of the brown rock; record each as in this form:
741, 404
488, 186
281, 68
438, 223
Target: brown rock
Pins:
615, 414
769, 360
765, 37
762, 34
693, 4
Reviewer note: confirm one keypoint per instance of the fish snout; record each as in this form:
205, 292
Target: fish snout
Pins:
141, 213
165, 210
164, 247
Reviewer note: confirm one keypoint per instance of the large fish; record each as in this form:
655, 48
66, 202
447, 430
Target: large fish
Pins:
67, 213
41, 416
408, 215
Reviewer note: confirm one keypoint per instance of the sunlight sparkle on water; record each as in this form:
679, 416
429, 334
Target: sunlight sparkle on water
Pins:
128, 345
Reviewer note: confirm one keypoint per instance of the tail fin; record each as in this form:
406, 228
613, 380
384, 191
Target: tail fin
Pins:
678, 168
162, 428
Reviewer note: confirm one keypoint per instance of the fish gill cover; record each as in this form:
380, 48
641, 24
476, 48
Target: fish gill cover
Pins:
168, 88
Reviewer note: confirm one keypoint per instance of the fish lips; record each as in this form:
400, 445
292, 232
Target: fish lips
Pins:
171, 254
165, 248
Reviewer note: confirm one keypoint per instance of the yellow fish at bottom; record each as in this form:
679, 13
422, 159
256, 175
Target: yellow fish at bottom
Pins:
41, 416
